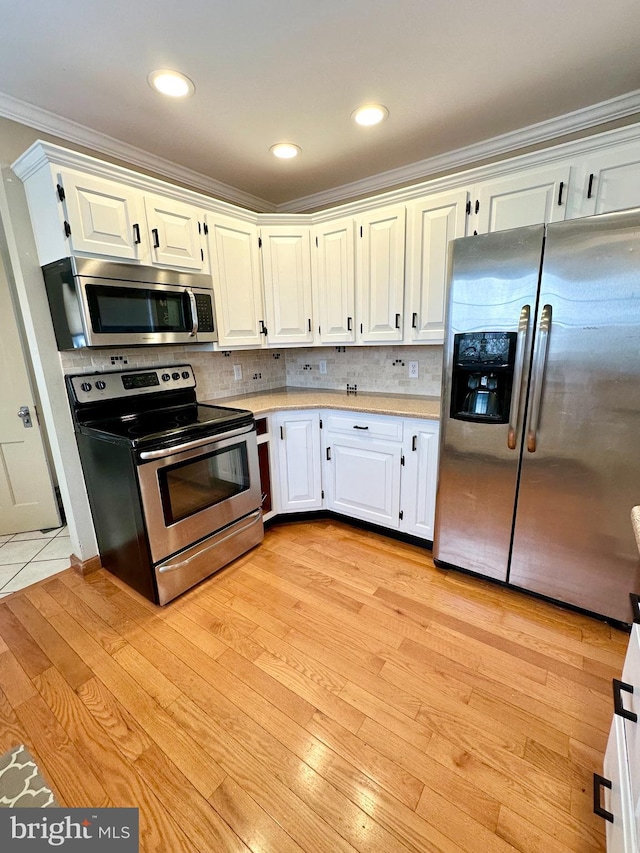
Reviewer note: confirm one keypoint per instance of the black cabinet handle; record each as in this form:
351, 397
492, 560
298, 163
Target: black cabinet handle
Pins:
635, 606
414, 442
600, 782
590, 187
560, 192
156, 238
349, 324
355, 426
414, 320
477, 208
328, 454
618, 705
263, 328
309, 324
281, 433
136, 233
397, 321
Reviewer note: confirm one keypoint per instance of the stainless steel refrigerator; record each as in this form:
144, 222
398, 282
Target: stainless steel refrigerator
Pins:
540, 430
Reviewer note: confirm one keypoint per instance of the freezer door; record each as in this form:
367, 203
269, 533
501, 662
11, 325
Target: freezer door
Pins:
492, 287
581, 470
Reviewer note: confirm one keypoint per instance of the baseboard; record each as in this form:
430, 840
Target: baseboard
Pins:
85, 567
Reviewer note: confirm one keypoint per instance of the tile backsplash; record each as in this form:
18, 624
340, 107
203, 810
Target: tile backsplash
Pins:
383, 369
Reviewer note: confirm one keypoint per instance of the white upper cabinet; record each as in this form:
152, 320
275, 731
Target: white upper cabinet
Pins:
102, 217
175, 233
610, 181
432, 222
380, 274
235, 269
529, 197
334, 280
286, 265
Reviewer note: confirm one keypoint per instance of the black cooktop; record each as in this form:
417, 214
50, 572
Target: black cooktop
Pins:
168, 426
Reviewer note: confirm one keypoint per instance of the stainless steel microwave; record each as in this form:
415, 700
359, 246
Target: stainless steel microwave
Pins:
102, 304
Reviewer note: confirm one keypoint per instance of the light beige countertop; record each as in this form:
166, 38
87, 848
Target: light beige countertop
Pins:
282, 399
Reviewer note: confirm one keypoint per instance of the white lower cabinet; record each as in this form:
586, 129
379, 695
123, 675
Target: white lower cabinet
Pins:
617, 791
419, 477
296, 440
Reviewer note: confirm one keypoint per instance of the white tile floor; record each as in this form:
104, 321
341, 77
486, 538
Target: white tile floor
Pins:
29, 557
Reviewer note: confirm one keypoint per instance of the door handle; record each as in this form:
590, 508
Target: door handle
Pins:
599, 782
542, 346
516, 392
618, 705
25, 415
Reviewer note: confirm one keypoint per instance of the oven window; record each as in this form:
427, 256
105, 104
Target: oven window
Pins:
131, 309
192, 486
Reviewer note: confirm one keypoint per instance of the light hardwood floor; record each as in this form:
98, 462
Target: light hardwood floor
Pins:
330, 691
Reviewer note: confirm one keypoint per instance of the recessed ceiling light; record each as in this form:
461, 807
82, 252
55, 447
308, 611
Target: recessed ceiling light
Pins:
370, 114
285, 150
171, 83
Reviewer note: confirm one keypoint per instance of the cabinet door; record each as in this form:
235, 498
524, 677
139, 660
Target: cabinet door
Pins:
362, 479
105, 218
419, 478
530, 197
286, 264
611, 181
630, 702
334, 280
297, 439
431, 223
175, 232
621, 837
380, 274
235, 268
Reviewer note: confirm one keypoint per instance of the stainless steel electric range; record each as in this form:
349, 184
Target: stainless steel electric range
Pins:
173, 484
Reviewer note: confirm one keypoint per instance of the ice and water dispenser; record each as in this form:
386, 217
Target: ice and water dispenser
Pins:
482, 377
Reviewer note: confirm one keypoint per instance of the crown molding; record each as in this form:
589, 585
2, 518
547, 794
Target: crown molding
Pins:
507, 143
71, 131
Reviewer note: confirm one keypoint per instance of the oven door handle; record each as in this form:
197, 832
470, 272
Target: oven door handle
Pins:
190, 445
194, 312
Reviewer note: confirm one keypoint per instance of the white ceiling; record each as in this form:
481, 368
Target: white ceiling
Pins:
451, 73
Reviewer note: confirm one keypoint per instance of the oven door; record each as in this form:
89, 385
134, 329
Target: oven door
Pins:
130, 313
196, 489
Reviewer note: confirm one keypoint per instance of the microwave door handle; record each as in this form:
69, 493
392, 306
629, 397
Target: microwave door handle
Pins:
542, 346
523, 329
194, 312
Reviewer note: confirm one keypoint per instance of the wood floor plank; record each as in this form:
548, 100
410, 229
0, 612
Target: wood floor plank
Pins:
331, 690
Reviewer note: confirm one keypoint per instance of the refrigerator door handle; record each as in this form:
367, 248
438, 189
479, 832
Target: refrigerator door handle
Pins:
542, 345
523, 329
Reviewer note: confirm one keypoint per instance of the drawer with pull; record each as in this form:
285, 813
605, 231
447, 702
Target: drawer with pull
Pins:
371, 426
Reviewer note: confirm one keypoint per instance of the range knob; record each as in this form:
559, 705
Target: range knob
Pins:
175, 375
101, 385
165, 377
185, 374
86, 386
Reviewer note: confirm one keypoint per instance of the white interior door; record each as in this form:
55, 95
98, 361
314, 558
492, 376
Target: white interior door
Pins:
27, 499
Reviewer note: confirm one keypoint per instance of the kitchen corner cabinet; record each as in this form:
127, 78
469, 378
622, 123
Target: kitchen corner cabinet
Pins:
362, 461
296, 440
237, 285
431, 223
333, 272
617, 795
529, 197
419, 477
286, 266
380, 274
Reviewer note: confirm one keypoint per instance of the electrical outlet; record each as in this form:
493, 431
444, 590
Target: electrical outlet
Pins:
323, 365
237, 371
413, 370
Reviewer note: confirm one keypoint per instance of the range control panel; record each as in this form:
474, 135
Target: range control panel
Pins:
94, 387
